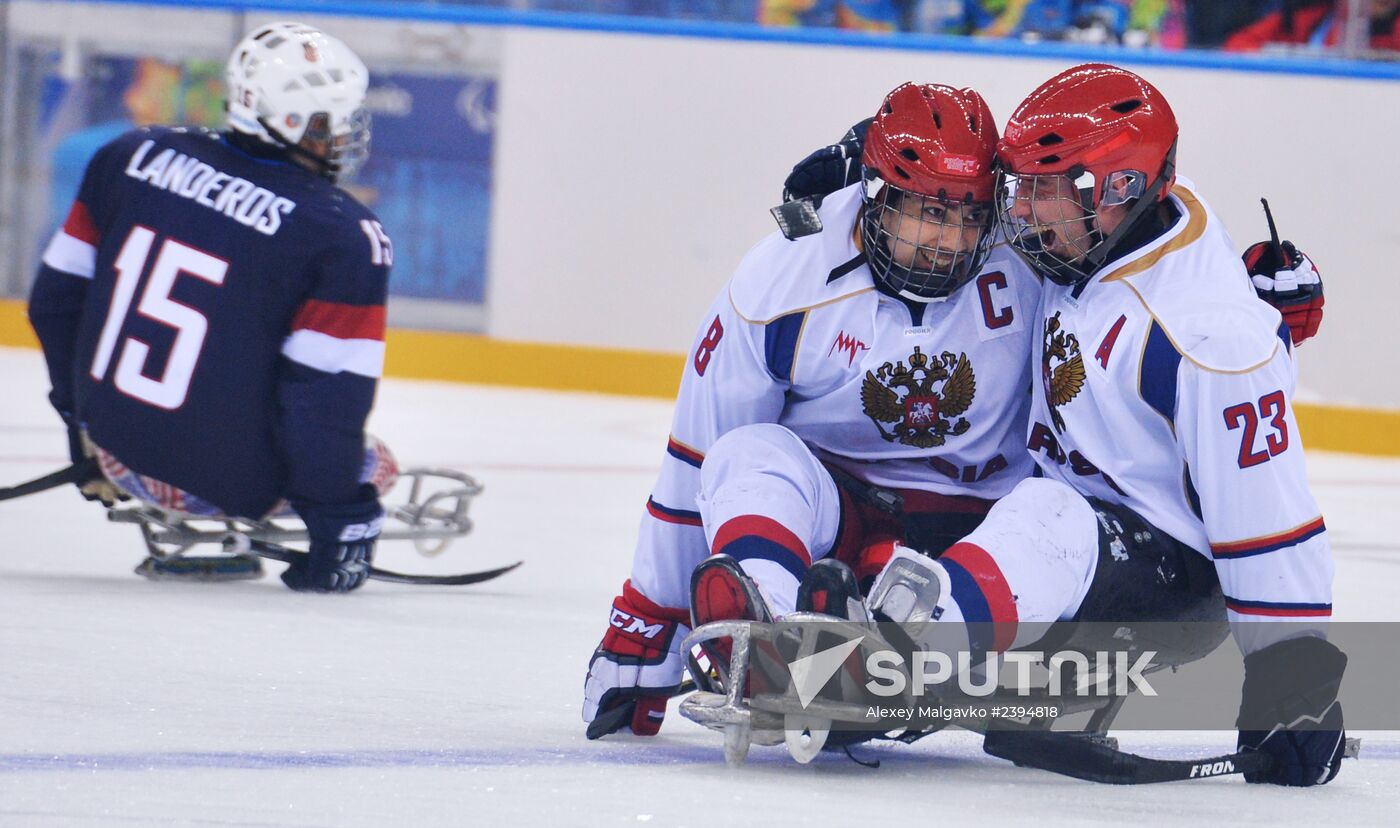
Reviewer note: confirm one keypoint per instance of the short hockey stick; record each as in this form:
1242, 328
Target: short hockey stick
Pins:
276, 552
1273, 231
80, 470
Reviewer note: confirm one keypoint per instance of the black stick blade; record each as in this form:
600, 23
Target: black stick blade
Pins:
277, 552
1076, 755
80, 470
441, 580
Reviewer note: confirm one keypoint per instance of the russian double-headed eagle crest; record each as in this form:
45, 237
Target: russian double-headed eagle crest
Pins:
1064, 380
912, 398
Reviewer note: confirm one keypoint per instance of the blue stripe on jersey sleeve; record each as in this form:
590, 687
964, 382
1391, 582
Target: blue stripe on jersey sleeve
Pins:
1287, 337
780, 344
1192, 497
1157, 381
752, 547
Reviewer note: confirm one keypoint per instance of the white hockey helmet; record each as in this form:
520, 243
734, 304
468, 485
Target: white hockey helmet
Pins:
288, 82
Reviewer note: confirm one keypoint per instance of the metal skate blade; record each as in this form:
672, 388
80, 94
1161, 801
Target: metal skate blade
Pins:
212, 569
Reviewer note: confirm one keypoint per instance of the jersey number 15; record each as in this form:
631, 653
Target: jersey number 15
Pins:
190, 325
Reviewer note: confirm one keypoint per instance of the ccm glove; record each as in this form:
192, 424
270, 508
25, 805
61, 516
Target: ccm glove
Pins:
1290, 283
1290, 711
342, 539
637, 663
829, 168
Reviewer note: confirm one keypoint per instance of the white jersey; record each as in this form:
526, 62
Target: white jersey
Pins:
1166, 385
928, 397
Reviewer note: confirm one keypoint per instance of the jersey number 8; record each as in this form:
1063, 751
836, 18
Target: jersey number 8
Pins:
707, 346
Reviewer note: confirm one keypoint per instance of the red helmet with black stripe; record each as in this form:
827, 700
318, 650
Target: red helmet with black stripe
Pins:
929, 163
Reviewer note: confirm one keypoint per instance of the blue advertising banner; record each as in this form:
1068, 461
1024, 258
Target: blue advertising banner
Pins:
428, 177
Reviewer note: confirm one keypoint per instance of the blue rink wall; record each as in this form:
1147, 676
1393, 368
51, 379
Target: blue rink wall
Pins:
574, 190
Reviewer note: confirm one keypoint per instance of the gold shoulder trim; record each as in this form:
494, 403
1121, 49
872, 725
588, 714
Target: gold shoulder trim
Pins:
1195, 226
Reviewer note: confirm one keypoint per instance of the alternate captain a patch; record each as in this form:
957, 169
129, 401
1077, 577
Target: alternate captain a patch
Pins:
920, 399
1061, 368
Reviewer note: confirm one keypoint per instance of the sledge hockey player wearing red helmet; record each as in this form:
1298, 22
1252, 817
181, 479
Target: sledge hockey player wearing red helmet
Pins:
851, 388
1164, 408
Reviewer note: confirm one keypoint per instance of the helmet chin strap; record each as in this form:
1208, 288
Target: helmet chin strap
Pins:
321, 166
1101, 252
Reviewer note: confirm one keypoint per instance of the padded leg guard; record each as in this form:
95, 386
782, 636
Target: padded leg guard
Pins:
1145, 575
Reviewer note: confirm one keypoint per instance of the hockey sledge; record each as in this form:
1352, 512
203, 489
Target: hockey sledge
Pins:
805, 725
435, 513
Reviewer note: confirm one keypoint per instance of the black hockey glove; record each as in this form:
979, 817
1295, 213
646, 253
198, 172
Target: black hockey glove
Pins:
342, 539
829, 168
94, 486
1290, 711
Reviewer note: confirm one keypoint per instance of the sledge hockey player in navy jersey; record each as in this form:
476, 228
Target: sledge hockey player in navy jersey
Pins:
848, 389
1170, 471
212, 310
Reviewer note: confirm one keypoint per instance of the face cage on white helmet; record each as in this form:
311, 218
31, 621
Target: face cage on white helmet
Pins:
894, 226
348, 146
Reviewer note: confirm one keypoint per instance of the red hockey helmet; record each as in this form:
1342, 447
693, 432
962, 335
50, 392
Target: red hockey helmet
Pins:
1095, 133
930, 184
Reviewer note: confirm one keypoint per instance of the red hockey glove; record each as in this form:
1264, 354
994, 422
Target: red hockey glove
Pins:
638, 662
1292, 285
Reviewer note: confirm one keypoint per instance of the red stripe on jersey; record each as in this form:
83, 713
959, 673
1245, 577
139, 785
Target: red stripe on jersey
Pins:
684, 452
340, 320
1283, 538
762, 527
677, 516
1000, 602
920, 502
79, 224
1280, 612
634, 597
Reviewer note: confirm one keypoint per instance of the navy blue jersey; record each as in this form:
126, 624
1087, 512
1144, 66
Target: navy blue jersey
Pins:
215, 319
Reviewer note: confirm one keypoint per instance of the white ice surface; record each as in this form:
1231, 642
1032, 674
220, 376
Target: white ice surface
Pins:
129, 702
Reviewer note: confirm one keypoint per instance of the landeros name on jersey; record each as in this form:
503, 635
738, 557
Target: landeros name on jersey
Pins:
188, 177
911, 398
